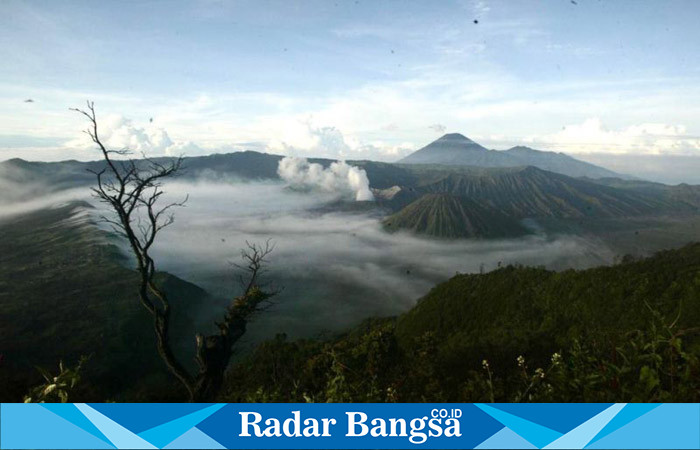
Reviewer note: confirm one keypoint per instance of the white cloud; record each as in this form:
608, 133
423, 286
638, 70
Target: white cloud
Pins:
118, 132
646, 138
299, 136
380, 120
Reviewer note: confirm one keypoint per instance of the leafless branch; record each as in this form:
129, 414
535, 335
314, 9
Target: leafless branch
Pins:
133, 189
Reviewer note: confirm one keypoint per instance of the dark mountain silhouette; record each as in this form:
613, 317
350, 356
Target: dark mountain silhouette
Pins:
456, 149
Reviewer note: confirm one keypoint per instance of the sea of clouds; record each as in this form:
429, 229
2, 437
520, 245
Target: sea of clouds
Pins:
333, 268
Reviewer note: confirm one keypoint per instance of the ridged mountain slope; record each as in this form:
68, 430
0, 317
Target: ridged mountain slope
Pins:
448, 216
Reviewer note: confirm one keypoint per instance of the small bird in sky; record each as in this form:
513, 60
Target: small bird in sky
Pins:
29, 100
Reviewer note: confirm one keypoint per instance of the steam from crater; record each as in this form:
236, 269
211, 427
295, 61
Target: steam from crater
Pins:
340, 178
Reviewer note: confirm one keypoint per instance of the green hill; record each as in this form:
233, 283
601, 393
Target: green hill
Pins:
621, 333
529, 310
447, 216
65, 291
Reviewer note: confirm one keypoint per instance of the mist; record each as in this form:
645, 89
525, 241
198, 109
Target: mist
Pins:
9, 209
335, 269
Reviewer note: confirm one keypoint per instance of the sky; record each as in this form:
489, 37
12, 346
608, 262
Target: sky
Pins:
352, 79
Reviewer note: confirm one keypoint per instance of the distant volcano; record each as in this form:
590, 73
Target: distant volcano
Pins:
455, 149
447, 216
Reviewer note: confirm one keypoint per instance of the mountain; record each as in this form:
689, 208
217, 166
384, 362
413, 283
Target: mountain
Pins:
556, 202
456, 149
514, 193
531, 192
620, 333
25, 180
559, 163
66, 291
680, 194
449, 216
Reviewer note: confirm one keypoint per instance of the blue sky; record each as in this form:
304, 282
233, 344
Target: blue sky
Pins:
350, 79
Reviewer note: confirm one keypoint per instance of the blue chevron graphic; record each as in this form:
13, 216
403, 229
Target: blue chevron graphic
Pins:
582, 435
194, 439
669, 426
71, 413
217, 426
33, 426
139, 417
561, 417
629, 413
117, 434
505, 439
162, 435
536, 434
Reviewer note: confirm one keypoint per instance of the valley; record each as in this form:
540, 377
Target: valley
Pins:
338, 261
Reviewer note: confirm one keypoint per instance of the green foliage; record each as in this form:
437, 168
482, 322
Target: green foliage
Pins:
651, 365
612, 334
65, 291
357, 368
56, 388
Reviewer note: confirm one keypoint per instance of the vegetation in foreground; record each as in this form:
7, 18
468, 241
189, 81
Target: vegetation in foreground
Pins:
623, 333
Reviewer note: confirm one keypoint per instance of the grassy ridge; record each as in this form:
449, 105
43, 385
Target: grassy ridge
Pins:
65, 292
621, 333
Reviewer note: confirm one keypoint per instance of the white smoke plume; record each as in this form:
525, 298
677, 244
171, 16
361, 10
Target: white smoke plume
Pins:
340, 178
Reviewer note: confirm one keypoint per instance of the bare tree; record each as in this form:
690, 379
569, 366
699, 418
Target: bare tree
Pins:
132, 190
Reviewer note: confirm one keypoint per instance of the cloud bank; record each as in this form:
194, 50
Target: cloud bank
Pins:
339, 178
335, 269
118, 132
592, 135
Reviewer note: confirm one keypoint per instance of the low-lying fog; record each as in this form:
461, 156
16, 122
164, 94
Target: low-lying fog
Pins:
334, 268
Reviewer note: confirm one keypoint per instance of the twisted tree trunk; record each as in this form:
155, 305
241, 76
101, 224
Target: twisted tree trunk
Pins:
132, 189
